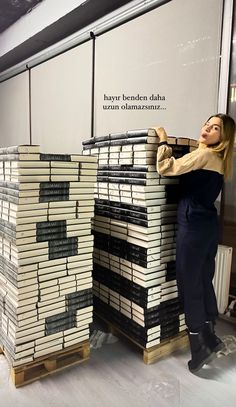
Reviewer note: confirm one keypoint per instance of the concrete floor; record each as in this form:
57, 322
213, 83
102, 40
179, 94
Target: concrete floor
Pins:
115, 376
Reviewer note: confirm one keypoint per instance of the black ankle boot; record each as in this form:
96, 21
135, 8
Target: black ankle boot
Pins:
213, 342
201, 354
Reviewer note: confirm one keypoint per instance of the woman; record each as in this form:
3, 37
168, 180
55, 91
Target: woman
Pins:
202, 173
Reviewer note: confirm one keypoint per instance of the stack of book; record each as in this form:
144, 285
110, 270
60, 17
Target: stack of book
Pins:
46, 249
134, 236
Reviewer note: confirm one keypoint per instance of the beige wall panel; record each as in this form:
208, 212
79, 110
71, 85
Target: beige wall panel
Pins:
61, 101
14, 111
171, 52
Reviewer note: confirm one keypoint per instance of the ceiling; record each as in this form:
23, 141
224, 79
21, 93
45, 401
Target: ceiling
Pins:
12, 10
85, 14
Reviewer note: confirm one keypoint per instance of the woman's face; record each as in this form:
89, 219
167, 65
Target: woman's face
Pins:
211, 131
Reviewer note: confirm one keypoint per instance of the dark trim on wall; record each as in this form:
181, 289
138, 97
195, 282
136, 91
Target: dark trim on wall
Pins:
93, 82
231, 56
222, 212
30, 111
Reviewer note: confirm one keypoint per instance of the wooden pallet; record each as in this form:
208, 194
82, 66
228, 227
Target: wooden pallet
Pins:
52, 363
154, 353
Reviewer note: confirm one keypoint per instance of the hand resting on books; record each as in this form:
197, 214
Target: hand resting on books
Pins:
161, 133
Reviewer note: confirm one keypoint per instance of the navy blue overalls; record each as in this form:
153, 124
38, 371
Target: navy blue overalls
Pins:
196, 247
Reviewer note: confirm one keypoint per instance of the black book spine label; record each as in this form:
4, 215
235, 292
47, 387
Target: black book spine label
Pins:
64, 242
53, 192
79, 294
54, 185
61, 254
51, 224
137, 133
55, 157
103, 143
54, 198
89, 141
118, 136
100, 138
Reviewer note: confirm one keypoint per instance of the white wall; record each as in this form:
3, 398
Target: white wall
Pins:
172, 51
14, 111
165, 51
61, 101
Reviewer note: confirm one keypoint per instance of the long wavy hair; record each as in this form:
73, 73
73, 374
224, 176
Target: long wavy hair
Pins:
226, 145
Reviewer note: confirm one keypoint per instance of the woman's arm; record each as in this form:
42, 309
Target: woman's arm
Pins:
169, 166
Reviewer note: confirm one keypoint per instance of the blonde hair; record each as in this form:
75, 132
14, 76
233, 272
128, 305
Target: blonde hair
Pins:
226, 145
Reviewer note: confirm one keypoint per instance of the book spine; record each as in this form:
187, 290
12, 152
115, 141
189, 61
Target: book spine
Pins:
55, 157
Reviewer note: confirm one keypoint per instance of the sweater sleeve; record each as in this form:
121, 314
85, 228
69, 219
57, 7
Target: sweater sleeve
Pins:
167, 165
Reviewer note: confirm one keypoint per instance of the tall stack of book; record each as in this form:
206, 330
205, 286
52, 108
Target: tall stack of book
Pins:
46, 249
134, 236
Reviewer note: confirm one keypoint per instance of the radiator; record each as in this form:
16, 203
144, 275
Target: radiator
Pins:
221, 279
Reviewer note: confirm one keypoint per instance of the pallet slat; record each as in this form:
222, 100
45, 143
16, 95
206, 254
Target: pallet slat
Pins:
51, 364
165, 348
154, 353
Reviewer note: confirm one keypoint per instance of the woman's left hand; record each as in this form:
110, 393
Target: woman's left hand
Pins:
161, 133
